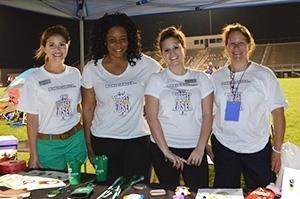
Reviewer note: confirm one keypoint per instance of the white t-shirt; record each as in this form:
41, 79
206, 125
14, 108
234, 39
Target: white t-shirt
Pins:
260, 94
120, 98
53, 97
180, 111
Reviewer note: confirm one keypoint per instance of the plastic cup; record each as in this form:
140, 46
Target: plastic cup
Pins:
74, 167
101, 166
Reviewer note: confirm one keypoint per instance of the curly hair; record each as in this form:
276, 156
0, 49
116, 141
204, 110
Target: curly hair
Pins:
102, 26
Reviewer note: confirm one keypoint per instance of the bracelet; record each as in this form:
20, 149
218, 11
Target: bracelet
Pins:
276, 151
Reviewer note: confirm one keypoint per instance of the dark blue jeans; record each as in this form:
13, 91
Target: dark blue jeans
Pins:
229, 166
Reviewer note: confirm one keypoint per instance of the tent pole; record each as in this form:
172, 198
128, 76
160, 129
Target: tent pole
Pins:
81, 35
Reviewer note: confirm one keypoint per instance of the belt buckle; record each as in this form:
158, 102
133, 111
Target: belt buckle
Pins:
64, 136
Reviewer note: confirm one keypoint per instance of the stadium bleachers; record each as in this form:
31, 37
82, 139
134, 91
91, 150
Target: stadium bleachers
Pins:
282, 58
258, 54
287, 53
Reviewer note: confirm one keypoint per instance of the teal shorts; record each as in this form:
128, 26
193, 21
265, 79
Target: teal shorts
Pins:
54, 154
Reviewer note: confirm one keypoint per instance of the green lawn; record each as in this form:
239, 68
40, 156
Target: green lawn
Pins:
291, 89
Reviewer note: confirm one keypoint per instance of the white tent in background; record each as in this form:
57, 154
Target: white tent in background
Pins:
93, 9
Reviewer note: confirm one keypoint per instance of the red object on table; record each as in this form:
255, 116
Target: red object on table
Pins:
261, 193
12, 166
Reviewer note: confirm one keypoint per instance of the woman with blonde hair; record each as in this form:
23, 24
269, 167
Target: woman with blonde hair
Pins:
246, 95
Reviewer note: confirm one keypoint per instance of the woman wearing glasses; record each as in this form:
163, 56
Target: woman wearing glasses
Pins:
246, 96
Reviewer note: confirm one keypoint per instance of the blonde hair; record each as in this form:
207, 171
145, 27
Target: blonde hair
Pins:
228, 29
49, 32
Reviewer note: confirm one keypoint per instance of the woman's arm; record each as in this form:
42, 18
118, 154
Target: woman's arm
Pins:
278, 136
151, 109
32, 130
207, 118
88, 108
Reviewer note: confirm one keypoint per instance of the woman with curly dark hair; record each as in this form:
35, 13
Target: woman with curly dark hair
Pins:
113, 97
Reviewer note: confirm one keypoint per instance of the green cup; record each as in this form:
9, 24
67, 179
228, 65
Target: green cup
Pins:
101, 166
74, 167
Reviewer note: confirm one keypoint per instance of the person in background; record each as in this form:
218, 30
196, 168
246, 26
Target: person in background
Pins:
246, 95
10, 79
51, 100
179, 112
210, 68
113, 97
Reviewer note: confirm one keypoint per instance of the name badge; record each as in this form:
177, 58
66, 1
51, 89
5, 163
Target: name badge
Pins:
232, 111
44, 82
188, 81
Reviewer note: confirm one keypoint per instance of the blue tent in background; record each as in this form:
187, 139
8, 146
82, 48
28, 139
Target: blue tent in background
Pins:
20, 79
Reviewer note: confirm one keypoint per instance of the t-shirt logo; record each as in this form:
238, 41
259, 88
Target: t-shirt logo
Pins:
63, 107
182, 101
122, 104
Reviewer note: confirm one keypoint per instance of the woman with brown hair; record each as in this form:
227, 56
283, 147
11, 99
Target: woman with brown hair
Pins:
51, 100
179, 112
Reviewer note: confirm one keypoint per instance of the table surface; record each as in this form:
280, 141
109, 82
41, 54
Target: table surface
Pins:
98, 189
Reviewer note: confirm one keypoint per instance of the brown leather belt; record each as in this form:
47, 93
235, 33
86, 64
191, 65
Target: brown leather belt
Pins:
63, 136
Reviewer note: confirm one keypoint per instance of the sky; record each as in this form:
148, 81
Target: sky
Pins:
20, 30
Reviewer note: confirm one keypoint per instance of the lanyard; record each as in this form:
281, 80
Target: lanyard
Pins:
234, 89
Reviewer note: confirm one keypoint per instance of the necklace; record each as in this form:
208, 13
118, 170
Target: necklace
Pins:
233, 89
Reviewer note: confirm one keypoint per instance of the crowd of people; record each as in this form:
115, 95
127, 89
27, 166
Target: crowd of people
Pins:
127, 107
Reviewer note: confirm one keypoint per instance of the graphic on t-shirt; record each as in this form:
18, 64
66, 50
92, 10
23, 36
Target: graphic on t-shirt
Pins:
122, 104
63, 107
183, 102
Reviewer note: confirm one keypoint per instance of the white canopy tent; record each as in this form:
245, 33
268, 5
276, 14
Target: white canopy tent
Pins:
93, 9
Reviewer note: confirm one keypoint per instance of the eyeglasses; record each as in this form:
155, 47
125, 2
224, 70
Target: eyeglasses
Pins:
237, 45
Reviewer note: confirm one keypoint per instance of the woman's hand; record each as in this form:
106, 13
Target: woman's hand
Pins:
177, 161
91, 154
209, 151
276, 162
195, 157
33, 162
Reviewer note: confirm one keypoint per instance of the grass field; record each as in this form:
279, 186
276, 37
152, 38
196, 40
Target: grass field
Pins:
291, 88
